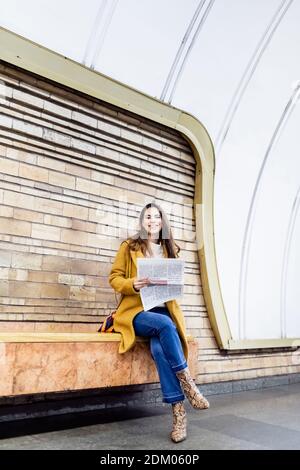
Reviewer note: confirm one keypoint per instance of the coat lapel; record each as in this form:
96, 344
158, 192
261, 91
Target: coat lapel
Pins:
136, 254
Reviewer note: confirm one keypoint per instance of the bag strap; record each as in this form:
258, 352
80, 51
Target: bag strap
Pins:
118, 300
128, 275
129, 261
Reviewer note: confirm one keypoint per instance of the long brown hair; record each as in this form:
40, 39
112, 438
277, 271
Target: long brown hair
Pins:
139, 241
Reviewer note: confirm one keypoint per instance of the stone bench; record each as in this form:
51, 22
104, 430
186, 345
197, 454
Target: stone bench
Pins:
55, 362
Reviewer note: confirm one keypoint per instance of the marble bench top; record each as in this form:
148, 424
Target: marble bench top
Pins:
26, 337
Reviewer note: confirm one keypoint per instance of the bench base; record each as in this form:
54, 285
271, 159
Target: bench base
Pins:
51, 362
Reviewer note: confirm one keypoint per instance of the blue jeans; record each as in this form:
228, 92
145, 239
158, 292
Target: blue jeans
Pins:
165, 347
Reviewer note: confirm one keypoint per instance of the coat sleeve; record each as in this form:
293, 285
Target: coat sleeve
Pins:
117, 277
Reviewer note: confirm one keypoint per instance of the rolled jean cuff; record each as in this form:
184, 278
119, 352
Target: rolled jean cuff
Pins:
173, 399
180, 367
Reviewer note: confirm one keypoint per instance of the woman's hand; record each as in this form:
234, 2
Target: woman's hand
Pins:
139, 283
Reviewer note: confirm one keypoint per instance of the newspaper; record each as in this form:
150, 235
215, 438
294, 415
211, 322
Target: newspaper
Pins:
167, 280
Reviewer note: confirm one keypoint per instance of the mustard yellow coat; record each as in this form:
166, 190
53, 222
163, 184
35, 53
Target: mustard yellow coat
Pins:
122, 275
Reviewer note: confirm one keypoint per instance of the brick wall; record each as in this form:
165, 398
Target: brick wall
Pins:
74, 172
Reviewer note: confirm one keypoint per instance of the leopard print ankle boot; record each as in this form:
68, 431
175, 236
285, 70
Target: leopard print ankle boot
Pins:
178, 433
196, 399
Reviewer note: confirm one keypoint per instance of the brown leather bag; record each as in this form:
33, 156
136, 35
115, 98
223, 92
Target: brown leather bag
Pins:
107, 326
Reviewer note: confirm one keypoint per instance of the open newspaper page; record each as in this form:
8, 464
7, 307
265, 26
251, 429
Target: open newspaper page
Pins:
167, 280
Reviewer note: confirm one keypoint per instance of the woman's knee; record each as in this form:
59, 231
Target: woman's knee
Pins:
151, 324
167, 323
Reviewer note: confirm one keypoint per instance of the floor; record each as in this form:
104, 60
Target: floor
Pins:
257, 419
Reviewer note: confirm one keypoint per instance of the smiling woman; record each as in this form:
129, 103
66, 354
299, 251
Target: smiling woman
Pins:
163, 324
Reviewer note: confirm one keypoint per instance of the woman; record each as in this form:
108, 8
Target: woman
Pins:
163, 324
